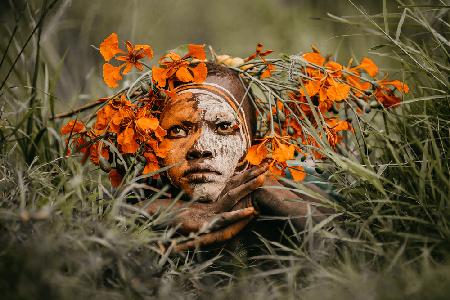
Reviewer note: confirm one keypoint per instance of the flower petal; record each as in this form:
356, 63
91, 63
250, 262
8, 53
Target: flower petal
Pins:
184, 75
256, 154
147, 50
369, 66
127, 69
338, 92
200, 72
268, 71
159, 76
401, 86
111, 75
110, 47
283, 152
127, 141
312, 88
73, 126
314, 58
115, 177
298, 173
146, 123
197, 51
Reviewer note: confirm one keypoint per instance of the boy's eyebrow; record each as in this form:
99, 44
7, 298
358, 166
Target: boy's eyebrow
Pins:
188, 124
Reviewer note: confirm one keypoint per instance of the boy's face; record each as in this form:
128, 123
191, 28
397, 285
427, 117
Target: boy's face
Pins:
206, 141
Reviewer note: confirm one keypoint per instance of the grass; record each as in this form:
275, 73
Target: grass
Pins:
65, 234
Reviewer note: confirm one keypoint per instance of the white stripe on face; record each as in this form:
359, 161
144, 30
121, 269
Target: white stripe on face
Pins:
226, 149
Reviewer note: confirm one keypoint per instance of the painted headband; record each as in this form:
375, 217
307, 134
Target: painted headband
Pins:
216, 90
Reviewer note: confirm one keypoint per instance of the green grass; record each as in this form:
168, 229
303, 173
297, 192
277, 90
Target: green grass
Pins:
64, 233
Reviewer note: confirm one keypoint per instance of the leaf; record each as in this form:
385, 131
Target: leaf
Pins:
110, 47
399, 26
111, 75
256, 154
338, 92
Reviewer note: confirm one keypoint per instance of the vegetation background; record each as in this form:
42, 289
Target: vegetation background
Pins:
65, 234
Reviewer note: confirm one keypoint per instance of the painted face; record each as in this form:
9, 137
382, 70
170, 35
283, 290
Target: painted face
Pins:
206, 141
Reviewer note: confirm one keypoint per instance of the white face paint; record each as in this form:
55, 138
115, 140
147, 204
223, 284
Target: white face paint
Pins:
227, 147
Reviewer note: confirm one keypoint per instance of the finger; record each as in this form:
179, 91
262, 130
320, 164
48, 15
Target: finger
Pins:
228, 218
246, 176
214, 237
227, 201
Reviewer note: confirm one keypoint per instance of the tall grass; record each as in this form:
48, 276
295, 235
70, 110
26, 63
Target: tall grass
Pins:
64, 233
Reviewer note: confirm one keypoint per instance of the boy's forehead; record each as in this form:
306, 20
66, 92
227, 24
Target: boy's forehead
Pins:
215, 108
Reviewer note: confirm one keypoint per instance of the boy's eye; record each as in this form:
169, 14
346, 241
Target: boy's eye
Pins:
226, 127
176, 132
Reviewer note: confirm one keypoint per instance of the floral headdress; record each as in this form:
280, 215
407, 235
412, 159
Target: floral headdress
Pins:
291, 94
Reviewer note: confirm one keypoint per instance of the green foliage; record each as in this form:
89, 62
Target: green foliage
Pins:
64, 233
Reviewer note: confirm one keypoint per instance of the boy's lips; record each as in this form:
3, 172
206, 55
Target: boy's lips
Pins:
201, 174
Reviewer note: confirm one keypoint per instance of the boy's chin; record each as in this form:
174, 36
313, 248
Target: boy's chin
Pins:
207, 192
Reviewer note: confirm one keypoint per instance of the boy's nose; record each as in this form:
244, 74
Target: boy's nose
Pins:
195, 153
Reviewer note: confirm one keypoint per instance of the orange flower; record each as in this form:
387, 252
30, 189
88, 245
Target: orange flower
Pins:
352, 76
176, 68
268, 71
127, 141
257, 153
96, 150
280, 152
151, 163
197, 51
338, 91
111, 75
298, 173
73, 126
259, 53
385, 95
112, 110
334, 69
115, 177
109, 48
135, 53
334, 125
369, 66
314, 58
357, 84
